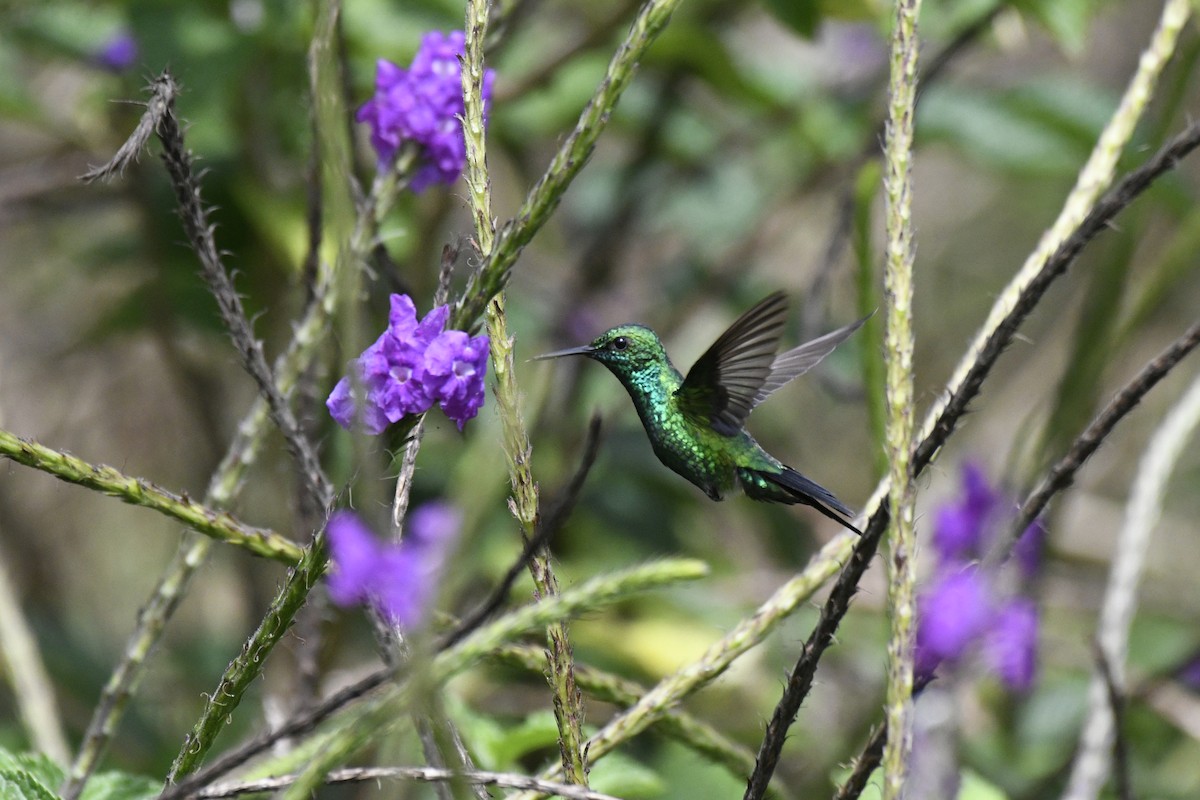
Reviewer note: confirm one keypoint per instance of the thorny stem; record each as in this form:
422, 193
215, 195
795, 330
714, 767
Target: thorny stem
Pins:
568, 702
200, 233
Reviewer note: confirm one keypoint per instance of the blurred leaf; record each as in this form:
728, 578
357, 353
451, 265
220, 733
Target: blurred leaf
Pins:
870, 300
1007, 130
620, 775
1166, 276
1065, 20
120, 786
1158, 645
16, 784
1092, 347
554, 107
657, 645
279, 221
975, 787
703, 53
41, 767
79, 33
802, 16
499, 746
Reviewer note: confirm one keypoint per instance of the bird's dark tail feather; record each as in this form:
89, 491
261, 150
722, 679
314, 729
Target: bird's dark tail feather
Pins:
791, 487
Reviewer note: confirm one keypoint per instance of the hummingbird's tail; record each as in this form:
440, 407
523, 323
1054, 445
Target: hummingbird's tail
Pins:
790, 487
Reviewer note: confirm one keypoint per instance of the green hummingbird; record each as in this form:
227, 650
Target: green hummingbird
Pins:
695, 424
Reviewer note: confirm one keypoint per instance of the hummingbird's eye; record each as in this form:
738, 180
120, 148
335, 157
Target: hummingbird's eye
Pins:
619, 343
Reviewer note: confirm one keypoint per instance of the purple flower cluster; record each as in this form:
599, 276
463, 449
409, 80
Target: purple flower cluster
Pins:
423, 104
397, 580
964, 611
410, 367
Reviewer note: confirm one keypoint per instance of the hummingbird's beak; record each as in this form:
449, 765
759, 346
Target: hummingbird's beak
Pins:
585, 350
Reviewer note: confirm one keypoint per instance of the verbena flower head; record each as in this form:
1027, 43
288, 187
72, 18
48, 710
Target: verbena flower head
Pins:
963, 612
960, 528
118, 53
398, 580
423, 104
413, 365
953, 614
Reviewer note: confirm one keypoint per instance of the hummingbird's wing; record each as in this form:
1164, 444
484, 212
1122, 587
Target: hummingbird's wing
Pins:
795, 362
723, 385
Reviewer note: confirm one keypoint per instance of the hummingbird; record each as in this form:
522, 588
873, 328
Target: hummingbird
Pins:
696, 423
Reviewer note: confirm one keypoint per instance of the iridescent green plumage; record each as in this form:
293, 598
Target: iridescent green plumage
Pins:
695, 424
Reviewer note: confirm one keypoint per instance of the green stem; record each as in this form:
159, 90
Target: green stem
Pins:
568, 703
898, 349
139, 492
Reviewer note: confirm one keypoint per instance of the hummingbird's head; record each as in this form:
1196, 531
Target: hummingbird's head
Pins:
625, 349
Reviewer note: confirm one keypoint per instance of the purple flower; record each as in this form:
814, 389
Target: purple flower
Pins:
1011, 645
118, 53
423, 104
397, 580
455, 368
963, 610
410, 367
952, 615
960, 529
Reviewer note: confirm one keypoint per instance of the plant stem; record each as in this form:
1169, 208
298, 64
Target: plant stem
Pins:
136, 491
568, 702
898, 351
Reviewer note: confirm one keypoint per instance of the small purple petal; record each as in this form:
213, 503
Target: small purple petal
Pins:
434, 525
951, 615
956, 534
961, 528
1011, 647
119, 53
398, 580
355, 553
1028, 549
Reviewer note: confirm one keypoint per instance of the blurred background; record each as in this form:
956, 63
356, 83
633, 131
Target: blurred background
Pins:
742, 160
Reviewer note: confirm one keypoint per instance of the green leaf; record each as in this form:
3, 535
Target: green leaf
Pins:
121, 786
974, 787
1000, 129
621, 776
1065, 20
536, 731
40, 766
802, 16
18, 784
870, 299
